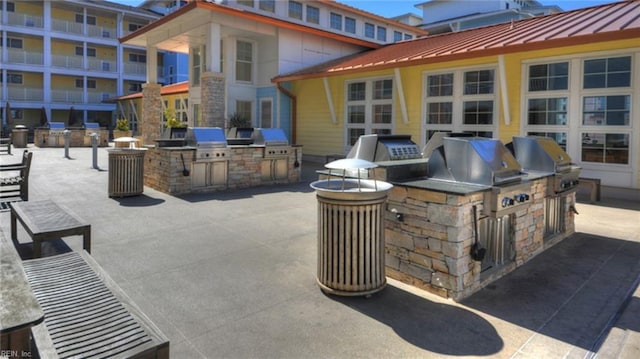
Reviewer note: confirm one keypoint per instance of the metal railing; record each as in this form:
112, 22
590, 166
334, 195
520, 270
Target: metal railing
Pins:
25, 57
67, 62
25, 20
20, 93
102, 65
66, 96
66, 26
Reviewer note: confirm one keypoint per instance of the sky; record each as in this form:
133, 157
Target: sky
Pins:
390, 8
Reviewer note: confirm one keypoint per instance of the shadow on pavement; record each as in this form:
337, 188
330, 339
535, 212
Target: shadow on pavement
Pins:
138, 201
572, 292
436, 327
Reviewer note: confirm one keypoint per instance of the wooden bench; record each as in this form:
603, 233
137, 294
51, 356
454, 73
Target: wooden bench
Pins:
14, 179
86, 314
5, 145
593, 185
45, 220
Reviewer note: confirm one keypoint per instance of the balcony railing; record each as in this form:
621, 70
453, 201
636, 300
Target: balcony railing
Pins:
103, 32
135, 68
20, 93
97, 97
25, 57
25, 20
66, 96
67, 62
66, 26
102, 65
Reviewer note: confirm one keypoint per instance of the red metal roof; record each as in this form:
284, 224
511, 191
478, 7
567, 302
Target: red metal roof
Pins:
180, 87
594, 24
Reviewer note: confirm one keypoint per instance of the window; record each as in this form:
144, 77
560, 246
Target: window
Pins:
14, 78
336, 21
313, 14
369, 108
79, 51
197, 61
248, 3
350, 25
134, 27
606, 110
369, 30
408, 36
91, 52
460, 101
606, 73
295, 10
547, 111
244, 61
79, 18
267, 5
549, 77
605, 148
181, 107
266, 113
381, 35
11, 6
14, 43
91, 20
134, 87
243, 109
397, 36
137, 58
91, 84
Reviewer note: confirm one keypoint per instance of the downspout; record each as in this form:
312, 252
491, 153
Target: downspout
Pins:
294, 106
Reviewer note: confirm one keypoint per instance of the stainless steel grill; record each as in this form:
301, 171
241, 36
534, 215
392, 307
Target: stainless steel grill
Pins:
210, 143
56, 128
91, 127
484, 162
378, 148
274, 140
543, 156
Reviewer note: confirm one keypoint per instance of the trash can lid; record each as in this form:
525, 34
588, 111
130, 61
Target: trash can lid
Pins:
20, 127
350, 163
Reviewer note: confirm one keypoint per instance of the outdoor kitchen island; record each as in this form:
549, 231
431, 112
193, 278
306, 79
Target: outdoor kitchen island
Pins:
205, 162
452, 235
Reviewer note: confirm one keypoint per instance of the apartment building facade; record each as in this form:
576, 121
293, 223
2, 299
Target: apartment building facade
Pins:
61, 59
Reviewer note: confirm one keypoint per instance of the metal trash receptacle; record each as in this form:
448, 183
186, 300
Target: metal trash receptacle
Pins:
351, 248
126, 172
19, 136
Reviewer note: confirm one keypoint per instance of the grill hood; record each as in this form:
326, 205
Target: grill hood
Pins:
377, 148
205, 137
538, 153
474, 160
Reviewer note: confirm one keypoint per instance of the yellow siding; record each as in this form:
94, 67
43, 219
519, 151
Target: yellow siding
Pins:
31, 79
64, 48
105, 85
31, 43
63, 14
61, 82
28, 8
105, 53
106, 22
320, 136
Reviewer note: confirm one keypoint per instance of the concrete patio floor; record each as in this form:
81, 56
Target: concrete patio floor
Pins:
232, 275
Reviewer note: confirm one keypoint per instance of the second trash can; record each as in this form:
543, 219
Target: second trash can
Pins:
19, 136
126, 172
351, 247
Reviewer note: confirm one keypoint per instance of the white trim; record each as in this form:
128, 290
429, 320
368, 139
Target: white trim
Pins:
327, 92
403, 105
504, 91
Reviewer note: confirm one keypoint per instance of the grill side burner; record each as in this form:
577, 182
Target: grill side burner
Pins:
543, 155
378, 148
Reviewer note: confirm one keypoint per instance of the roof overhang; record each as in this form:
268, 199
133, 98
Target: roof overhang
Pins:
188, 26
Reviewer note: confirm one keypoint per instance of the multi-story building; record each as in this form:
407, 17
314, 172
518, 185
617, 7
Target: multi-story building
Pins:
244, 44
61, 59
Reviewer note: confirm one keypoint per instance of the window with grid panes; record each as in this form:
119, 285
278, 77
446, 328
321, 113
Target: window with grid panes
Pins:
313, 14
336, 21
369, 108
244, 61
295, 10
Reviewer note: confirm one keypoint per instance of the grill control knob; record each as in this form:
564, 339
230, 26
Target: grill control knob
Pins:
507, 201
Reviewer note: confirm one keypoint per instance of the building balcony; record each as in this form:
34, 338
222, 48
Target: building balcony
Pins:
25, 20
102, 65
70, 27
67, 62
27, 94
97, 97
66, 96
16, 56
67, 27
135, 68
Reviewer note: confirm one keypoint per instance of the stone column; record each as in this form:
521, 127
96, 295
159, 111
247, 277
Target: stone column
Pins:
150, 125
213, 99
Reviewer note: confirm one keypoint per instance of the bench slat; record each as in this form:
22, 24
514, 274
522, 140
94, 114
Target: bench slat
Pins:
87, 314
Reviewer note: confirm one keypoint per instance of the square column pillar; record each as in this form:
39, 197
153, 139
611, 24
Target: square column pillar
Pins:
150, 125
212, 88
